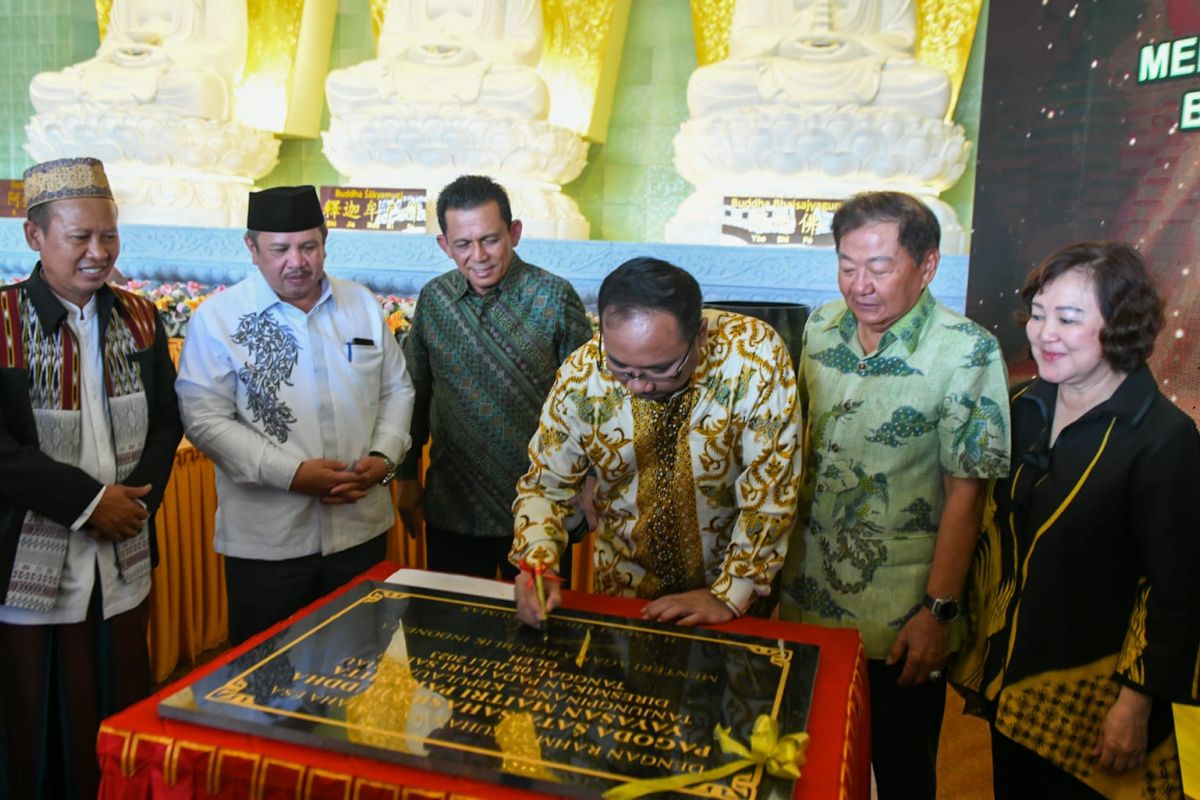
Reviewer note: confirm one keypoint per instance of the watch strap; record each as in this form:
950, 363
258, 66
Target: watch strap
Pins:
390, 475
944, 609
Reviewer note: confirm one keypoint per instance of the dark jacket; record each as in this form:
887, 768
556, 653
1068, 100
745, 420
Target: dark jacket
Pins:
32, 481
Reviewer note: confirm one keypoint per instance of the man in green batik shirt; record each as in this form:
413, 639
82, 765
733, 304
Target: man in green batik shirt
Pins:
907, 411
485, 343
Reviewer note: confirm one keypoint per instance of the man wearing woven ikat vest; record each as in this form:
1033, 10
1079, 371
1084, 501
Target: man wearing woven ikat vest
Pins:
689, 420
88, 430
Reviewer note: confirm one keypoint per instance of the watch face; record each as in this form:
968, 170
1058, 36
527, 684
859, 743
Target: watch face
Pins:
944, 609
947, 610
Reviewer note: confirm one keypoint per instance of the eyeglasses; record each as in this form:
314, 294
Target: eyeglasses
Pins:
666, 375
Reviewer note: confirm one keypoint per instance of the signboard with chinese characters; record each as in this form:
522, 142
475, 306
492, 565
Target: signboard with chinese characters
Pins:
368, 209
779, 220
453, 683
12, 198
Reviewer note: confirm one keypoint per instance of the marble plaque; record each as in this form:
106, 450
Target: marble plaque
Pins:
453, 683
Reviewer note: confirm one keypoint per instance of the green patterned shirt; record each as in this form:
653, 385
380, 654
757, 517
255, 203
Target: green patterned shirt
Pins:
482, 366
883, 431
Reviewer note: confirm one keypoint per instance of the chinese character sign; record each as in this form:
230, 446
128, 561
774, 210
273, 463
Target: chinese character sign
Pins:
13, 195
779, 220
364, 208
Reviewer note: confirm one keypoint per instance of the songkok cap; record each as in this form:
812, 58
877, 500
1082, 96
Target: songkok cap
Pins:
284, 209
64, 179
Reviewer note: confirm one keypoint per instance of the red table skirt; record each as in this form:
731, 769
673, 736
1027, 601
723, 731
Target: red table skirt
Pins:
143, 755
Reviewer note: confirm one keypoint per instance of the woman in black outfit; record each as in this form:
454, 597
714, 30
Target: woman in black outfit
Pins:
1085, 588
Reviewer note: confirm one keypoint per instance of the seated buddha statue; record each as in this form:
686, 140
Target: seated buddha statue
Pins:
182, 55
472, 52
801, 52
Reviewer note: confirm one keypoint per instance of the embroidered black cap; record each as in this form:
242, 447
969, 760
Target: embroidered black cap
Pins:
65, 179
284, 209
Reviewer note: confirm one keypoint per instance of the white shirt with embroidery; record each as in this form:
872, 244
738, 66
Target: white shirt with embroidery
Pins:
264, 386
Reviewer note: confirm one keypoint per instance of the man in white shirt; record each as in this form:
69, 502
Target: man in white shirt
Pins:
293, 384
88, 429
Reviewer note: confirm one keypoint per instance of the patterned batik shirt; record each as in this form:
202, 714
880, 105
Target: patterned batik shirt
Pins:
695, 491
884, 429
482, 366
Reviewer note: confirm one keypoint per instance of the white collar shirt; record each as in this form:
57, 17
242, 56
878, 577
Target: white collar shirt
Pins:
264, 386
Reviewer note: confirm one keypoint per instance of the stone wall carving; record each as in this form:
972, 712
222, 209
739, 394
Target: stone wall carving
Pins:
401, 263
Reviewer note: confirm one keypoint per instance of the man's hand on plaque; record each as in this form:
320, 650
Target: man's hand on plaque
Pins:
697, 607
529, 608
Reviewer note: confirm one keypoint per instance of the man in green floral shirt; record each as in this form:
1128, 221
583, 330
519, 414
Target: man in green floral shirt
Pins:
486, 341
907, 412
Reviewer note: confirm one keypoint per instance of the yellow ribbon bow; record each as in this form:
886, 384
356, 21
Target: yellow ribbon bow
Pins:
781, 755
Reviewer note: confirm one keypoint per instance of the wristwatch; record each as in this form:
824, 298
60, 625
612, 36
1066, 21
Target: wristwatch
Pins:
944, 609
391, 467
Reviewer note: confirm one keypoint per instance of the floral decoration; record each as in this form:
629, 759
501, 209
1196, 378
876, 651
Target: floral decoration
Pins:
175, 301
398, 311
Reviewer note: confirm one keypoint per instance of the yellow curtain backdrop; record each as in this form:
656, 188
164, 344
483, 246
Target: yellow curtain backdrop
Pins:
188, 611
188, 614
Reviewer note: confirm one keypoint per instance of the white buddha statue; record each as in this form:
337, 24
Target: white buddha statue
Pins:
842, 52
471, 52
182, 55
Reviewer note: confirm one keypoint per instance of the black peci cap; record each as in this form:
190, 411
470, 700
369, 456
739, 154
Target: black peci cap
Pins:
284, 209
